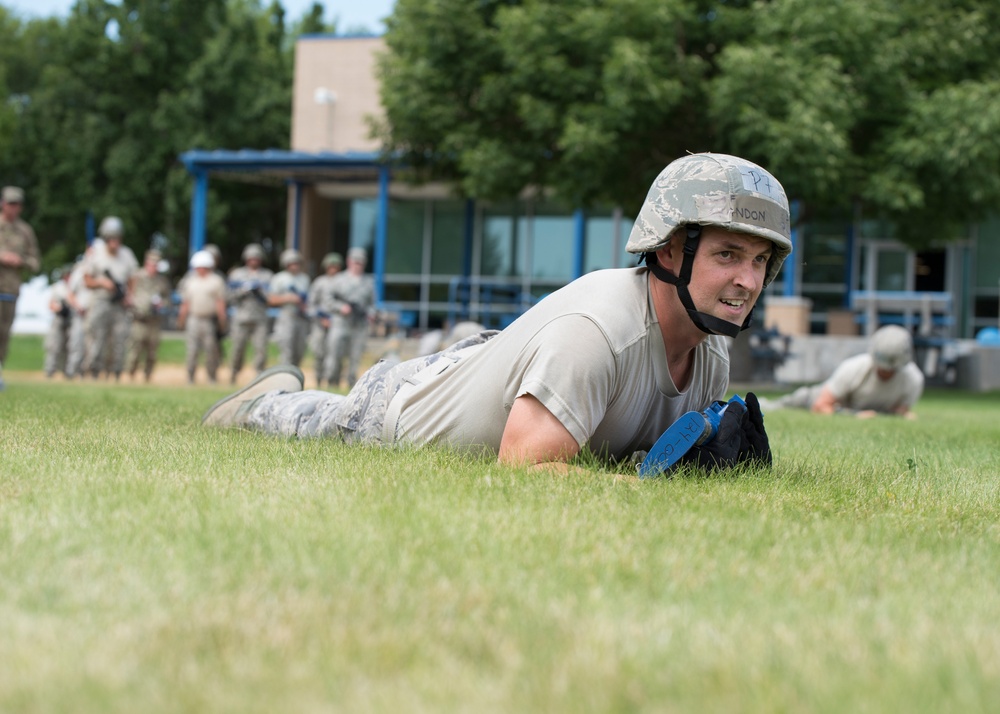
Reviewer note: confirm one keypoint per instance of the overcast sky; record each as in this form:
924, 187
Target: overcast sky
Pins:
351, 14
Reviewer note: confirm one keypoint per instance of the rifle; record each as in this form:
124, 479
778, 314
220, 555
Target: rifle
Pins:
253, 288
118, 294
64, 312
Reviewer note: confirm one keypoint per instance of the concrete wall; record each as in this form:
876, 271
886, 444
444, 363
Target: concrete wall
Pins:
335, 90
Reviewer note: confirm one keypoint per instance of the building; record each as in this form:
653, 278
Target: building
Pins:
437, 258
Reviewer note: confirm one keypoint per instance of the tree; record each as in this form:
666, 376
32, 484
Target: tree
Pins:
591, 99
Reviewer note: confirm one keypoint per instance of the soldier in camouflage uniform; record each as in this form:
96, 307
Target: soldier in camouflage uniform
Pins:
247, 295
82, 296
289, 292
606, 363
108, 271
202, 314
18, 254
150, 296
353, 298
62, 305
321, 300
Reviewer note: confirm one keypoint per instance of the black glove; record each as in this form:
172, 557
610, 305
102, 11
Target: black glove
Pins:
725, 449
741, 439
757, 448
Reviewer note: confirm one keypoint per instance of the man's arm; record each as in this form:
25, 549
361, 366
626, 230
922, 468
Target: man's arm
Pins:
826, 402
533, 435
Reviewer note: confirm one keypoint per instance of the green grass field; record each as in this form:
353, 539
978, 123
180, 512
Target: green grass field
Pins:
149, 565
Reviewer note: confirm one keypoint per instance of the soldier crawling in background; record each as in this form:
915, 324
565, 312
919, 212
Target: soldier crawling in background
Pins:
289, 291
150, 295
247, 295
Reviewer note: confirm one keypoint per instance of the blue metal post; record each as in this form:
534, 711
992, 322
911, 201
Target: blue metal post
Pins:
381, 232
790, 267
88, 227
848, 265
199, 211
579, 242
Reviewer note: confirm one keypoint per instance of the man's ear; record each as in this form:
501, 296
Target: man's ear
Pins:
670, 256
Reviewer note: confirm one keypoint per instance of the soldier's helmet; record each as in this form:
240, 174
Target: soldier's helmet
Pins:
332, 259
216, 253
289, 256
202, 259
111, 227
251, 251
715, 190
891, 347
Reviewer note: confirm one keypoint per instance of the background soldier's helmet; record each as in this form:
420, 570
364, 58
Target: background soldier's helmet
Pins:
332, 259
891, 347
290, 256
715, 190
214, 251
111, 227
253, 250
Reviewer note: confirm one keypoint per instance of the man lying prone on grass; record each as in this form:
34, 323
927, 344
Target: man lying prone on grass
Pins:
607, 362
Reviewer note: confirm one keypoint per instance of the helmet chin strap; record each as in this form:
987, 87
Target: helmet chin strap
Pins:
703, 321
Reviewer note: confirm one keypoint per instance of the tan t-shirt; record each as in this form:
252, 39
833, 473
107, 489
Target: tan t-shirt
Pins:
201, 293
120, 266
591, 352
856, 385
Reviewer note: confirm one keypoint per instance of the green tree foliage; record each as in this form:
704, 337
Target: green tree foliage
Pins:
100, 104
887, 105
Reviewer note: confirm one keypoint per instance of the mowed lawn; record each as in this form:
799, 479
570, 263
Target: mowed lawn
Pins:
150, 565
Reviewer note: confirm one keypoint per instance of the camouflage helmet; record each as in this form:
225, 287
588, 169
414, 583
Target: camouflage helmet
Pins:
111, 227
290, 256
216, 253
714, 190
332, 259
891, 347
251, 251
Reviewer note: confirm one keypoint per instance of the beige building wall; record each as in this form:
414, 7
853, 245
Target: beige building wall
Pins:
335, 90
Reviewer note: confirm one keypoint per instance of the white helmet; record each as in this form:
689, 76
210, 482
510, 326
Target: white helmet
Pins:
891, 347
202, 259
111, 226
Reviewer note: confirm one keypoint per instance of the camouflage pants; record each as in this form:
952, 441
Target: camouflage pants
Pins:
57, 347
201, 339
6, 320
357, 417
801, 398
255, 334
290, 334
144, 340
107, 330
77, 345
346, 341
317, 345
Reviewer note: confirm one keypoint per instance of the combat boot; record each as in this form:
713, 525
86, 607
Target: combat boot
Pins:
234, 410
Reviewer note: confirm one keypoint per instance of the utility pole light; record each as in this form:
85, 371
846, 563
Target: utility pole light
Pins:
326, 97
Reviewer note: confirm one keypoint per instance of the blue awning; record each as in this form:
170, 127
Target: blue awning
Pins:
278, 166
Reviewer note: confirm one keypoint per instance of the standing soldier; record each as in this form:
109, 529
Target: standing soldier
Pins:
107, 272
320, 301
62, 304
247, 293
354, 296
82, 296
150, 294
18, 252
203, 313
289, 291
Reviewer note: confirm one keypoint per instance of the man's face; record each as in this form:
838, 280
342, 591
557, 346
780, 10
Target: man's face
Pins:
113, 243
11, 211
253, 263
728, 273
151, 266
294, 268
355, 266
